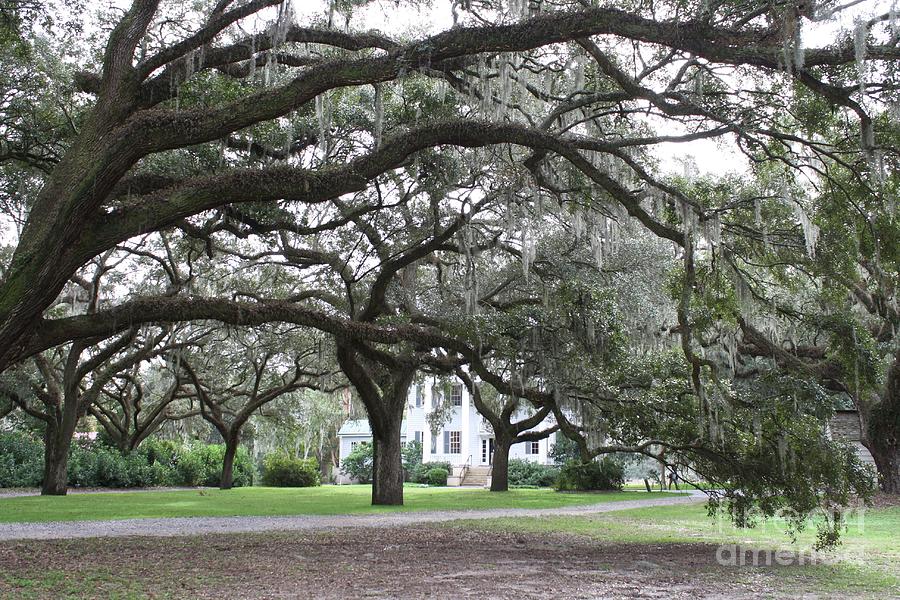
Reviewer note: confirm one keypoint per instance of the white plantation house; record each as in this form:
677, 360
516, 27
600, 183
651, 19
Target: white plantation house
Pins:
465, 440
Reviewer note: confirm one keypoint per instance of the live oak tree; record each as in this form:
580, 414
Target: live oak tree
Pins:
506, 429
829, 312
237, 374
138, 402
65, 383
69, 381
552, 101
133, 116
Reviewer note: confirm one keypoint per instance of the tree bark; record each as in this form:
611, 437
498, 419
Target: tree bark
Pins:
500, 464
57, 444
56, 461
887, 462
880, 430
387, 467
231, 446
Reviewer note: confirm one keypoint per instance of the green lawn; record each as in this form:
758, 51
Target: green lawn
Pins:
867, 563
261, 501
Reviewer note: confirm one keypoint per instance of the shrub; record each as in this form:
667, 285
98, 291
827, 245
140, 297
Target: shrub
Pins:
189, 470
281, 470
95, 464
437, 476
412, 461
606, 474
206, 465
21, 460
531, 474
358, 464
420, 475
165, 453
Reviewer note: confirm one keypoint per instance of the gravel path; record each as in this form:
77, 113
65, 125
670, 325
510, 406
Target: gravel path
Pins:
206, 525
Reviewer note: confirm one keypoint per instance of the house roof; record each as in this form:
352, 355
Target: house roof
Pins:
361, 427
355, 427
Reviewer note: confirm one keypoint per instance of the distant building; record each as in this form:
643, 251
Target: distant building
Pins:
465, 440
844, 425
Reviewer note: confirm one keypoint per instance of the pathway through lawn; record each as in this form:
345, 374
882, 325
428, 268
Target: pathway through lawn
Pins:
167, 527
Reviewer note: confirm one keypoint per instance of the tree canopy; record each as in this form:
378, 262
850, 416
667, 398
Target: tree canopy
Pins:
494, 195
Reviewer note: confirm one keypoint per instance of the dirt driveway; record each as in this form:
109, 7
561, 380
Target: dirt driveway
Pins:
433, 561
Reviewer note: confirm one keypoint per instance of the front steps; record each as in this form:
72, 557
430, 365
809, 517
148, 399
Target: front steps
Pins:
476, 477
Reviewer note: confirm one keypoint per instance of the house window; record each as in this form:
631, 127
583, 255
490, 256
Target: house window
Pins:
452, 442
418, 436
434, 444
353, 446
420, 396
456, 395
532, 448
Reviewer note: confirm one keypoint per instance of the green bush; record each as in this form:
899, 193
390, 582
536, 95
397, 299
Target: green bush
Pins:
189, 469
606, 474
358, 464
437, 476
165, 453
524, 473
21, 460
206, 465
420, 474
94, 464
280, 470
412, 461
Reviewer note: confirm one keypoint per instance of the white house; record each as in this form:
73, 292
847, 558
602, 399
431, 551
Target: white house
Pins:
466, 440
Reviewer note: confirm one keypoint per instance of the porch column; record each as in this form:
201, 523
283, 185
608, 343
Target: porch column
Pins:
426, 434
466, 433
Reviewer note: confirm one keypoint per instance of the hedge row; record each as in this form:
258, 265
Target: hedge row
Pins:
574, 475
91, 464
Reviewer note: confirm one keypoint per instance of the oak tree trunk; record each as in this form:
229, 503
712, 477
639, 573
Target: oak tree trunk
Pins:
500, 464
57, 444
387, 467
56, 459
231, 446
880, 431
887, 462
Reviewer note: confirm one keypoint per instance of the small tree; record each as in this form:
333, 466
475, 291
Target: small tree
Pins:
507, 431
252, 370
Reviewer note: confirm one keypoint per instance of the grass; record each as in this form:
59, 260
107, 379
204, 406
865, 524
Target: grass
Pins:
261, 501
671, 545
59, 584
867, 563
670, 549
